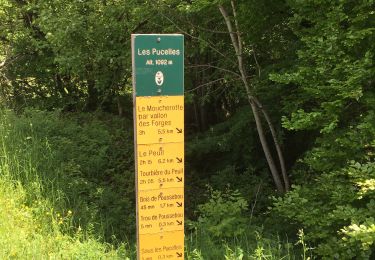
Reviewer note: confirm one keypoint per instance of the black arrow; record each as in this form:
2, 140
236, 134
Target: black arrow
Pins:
179, 204
179, 130
179, 254
179, 160
179, 223
179, 179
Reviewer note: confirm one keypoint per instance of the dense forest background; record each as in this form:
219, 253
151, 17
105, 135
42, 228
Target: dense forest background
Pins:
280, 127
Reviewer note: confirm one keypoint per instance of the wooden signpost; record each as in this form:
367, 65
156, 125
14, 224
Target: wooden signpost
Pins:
158, 95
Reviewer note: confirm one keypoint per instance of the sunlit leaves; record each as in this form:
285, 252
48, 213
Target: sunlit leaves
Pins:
336, 61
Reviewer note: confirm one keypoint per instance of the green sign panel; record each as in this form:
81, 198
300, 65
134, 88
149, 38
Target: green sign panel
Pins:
158, 64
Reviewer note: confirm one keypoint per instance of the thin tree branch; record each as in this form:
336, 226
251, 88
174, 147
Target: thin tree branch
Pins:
194, 37
140, 25
255, 202
239, 40
206, 30
8, 61
256, 62
214, 67
205, 84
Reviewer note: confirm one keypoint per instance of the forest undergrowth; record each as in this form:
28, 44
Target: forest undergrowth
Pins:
52, 204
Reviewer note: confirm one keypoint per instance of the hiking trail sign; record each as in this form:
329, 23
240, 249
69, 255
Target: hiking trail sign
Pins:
158, 97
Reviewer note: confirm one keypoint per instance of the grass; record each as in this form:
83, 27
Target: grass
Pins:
30, 225
58, 202
24, 234
250, 245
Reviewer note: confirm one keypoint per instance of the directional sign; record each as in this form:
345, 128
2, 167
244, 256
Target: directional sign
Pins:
159, 144
160, 119
160, 166
159, 210
167, 245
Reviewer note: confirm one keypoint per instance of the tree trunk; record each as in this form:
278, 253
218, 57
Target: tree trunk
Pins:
265, 146
256, 106
277, 145
92, 99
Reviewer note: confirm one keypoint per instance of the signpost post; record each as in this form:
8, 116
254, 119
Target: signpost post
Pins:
158, 96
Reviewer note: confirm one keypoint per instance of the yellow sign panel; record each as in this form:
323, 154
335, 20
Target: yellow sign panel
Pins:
159, 119
160, 176
160, 210
160, 166
164, 245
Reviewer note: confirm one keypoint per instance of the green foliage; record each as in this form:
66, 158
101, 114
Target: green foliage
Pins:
334, 68
53, 205
336, 211
332, 151
331, 95
309, 62
222, 215
24, 234
223, 143
236, 254
199, 5
364, 234
73, 161
35, 213
78, 34
305, 248
64, 54
250, 245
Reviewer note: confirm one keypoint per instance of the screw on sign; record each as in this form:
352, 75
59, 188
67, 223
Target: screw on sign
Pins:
158, 96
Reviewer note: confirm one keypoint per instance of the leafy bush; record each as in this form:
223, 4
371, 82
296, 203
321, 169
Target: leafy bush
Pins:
337, 210
222, 215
